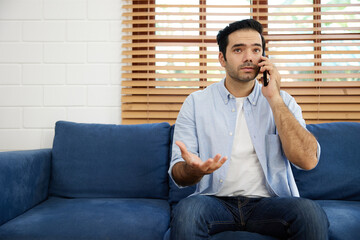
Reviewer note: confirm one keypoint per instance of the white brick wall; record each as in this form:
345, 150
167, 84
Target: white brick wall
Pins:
59, 60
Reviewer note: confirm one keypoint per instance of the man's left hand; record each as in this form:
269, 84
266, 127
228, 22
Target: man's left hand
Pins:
272, 90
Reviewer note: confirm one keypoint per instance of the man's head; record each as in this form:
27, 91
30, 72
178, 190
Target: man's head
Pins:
241, 45
247, 24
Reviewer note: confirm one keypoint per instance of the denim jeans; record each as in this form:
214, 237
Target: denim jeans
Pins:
199, 217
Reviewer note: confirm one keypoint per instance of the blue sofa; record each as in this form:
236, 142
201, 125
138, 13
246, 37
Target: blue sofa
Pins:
110, 182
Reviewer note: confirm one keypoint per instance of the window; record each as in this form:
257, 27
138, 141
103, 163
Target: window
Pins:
171, 51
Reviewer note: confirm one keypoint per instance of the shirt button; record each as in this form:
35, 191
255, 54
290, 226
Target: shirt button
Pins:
230, 133
233, 110
221, 181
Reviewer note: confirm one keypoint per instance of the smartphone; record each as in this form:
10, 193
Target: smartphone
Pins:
266, 82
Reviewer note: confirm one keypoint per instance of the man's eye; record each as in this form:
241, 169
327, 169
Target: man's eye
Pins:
237, 50
257, 50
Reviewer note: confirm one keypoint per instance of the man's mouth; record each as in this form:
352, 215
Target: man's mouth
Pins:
247, 69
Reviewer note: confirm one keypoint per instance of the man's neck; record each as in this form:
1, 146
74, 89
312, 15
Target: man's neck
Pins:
239, 89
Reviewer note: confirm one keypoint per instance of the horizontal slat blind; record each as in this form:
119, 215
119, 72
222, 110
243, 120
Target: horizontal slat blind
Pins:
170, 51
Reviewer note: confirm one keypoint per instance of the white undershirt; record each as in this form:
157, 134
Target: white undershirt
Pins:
245, 176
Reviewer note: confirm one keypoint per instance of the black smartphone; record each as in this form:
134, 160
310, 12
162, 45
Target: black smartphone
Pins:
266, 82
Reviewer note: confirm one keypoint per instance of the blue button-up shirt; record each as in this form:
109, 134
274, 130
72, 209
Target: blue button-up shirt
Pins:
206, 125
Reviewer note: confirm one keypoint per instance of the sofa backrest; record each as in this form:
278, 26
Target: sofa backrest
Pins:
104, 160
337, 175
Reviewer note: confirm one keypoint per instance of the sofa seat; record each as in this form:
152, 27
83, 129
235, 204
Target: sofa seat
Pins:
344, 218
98, 218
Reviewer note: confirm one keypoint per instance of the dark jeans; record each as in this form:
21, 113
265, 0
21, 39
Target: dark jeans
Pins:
199, 217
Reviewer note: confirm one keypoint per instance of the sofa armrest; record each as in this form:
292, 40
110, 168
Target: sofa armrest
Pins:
24, 181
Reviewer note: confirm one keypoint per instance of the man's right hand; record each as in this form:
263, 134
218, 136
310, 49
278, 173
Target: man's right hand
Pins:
193, 169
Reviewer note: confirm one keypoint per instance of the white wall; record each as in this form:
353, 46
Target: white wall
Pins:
59, 60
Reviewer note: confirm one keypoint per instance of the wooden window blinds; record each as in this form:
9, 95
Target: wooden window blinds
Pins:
170, 51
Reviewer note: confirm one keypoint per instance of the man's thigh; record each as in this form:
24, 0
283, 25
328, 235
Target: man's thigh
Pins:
202, 214
283, 217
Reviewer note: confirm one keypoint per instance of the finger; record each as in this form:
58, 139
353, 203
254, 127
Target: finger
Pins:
184, 152
213, 164
268, 68
217, 158
262, 70
261, 65
182, 147
207, 165
263, 61
222, 161
180, 144
263, 58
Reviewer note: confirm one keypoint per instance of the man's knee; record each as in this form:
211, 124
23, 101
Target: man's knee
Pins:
310, 211
311, 218
191, 207
190, 217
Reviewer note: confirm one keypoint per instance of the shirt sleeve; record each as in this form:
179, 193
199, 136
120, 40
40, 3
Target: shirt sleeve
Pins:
185, 131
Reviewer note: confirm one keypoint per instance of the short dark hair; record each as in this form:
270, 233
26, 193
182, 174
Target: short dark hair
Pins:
223, 36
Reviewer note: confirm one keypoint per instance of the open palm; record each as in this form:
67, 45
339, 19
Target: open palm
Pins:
196, 165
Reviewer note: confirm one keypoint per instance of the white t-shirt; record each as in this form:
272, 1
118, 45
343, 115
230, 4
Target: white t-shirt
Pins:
245, 175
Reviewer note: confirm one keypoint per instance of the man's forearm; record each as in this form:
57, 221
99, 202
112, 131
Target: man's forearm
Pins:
183, 176
299, 145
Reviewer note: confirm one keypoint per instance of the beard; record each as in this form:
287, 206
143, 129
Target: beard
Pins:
242, 77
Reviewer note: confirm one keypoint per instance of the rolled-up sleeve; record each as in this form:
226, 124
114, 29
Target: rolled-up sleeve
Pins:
185, 131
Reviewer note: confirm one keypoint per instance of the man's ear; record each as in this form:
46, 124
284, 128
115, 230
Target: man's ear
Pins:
222, 59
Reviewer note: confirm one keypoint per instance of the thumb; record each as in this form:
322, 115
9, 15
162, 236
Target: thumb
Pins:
182, 147
184, 152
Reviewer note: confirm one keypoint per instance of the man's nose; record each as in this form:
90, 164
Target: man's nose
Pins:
248, 56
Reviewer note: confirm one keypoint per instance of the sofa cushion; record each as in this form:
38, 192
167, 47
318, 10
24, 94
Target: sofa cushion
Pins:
337, 175
344, 219
102, 218
104, 160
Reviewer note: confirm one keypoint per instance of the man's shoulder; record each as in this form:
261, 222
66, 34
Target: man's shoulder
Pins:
209, 90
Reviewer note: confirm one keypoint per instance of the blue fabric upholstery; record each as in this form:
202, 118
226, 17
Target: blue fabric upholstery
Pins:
24, 181
103, 160
337, 175
344, 219
98, 218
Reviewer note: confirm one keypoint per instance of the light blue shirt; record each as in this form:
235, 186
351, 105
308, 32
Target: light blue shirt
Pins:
206, 125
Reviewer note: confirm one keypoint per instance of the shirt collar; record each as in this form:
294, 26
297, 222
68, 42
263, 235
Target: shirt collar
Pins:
226, 95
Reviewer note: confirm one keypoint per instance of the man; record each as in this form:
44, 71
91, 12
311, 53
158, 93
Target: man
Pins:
236, 140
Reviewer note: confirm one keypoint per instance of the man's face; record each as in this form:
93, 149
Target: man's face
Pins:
243, 54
